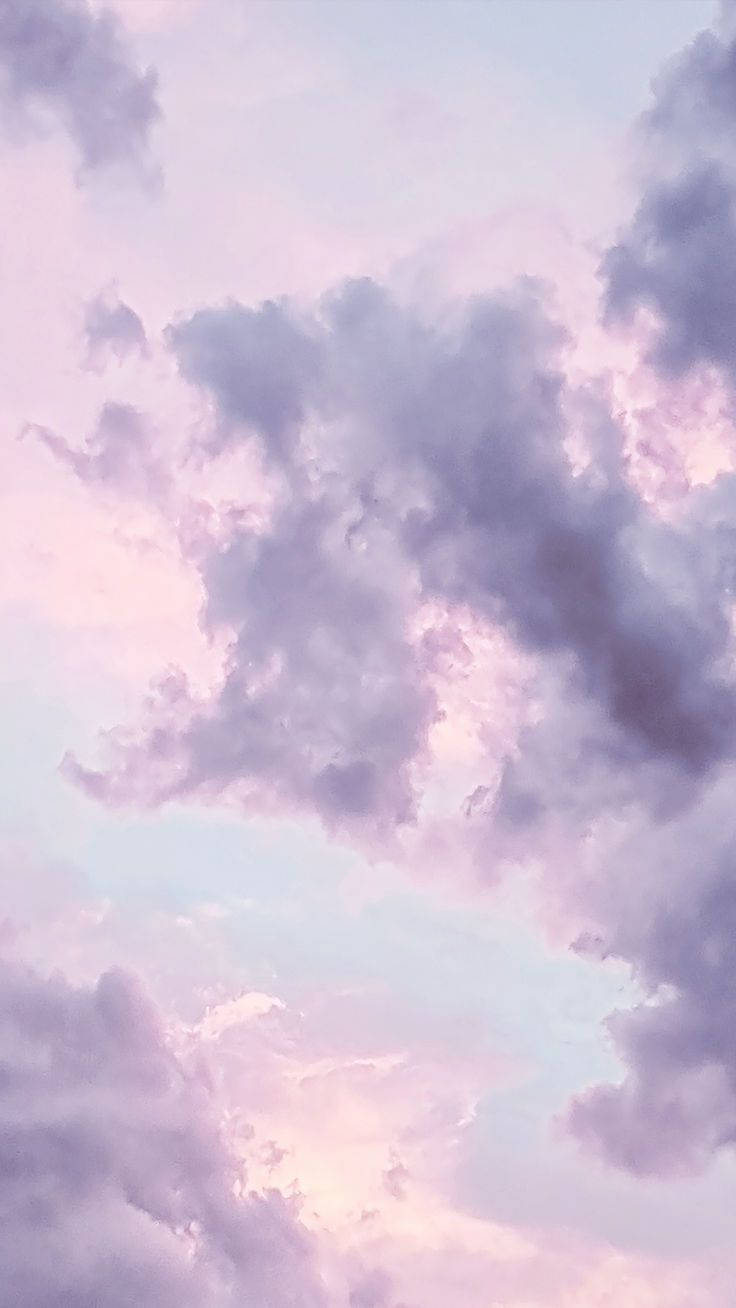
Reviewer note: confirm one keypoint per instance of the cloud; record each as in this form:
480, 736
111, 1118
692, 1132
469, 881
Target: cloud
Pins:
62, 56
660, 884
118, 454
676, 257
373, 1291
419, 460
258, 364
666, 899
322, 1098
322, 706
112, 327
114, 1182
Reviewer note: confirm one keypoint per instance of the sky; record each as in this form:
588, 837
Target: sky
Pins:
367, 680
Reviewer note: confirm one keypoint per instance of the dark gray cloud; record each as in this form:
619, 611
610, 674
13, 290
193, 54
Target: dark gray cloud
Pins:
63, 57
112, 327
115, 1186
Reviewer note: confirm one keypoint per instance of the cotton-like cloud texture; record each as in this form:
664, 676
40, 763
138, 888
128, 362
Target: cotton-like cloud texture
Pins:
395, 528
417, 461
429, 464
676, 1107
61, 55
326, 701
676, 257
116, 1186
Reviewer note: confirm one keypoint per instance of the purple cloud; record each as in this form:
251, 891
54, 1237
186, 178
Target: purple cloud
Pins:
422, 462
456, 445
118, 453
112, 327
61, 55
417, 460
115, 1186
323, 706
666, 896
666, 899
676, 258
259, 365
373, 1291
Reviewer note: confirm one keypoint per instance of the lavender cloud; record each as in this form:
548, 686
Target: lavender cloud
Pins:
666, 893
422, 461
259, 366
372, 1292
323, 705
112, 327
417, 459
115, 1185
667, 901
62, 56
676, 257
118, 454
455, 440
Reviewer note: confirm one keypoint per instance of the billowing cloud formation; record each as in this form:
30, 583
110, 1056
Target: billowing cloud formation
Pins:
414, 462
420, 461
324, 1098
668, 904
322, 706
670, 897
115, 1187
677, 256
258, 364
63, 56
